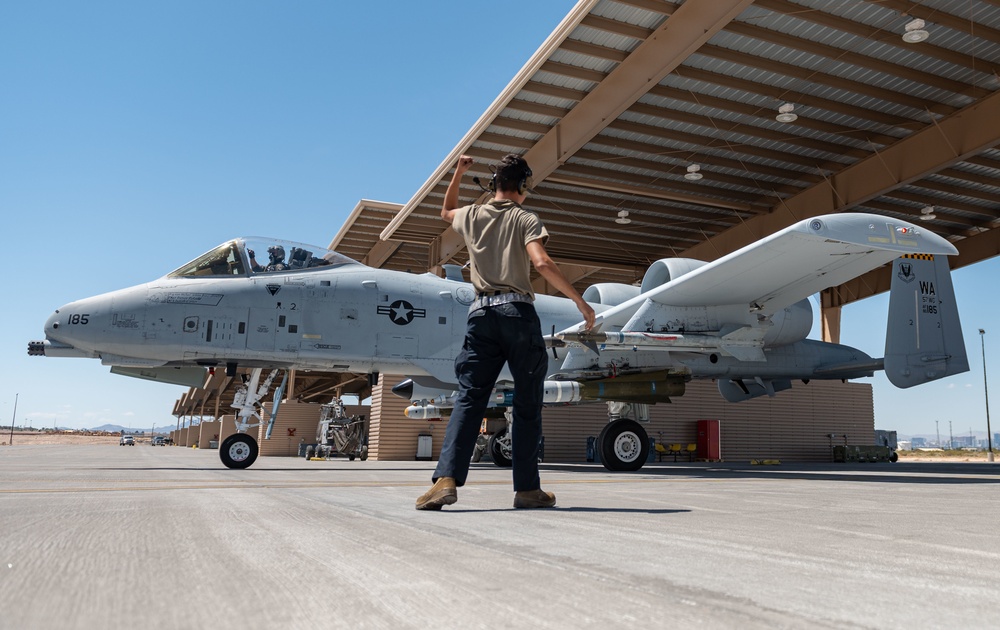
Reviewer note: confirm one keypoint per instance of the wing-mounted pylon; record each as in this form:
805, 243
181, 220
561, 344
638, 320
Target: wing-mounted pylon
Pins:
744, 343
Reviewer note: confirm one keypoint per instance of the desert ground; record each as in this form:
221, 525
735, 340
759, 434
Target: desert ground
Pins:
37, 438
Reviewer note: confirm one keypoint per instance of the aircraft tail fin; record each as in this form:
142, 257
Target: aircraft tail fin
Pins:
923, 339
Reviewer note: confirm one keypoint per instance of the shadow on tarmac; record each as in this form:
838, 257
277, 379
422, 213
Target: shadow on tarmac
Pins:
557, 509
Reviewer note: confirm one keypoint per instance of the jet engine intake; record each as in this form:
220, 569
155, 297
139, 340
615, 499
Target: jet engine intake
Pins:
666, 269
610, 293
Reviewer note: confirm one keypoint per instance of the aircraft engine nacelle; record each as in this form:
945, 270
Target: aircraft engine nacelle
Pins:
790, 324
744, 389
666, 269
610, 293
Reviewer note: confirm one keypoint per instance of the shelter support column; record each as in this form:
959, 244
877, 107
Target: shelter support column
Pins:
830, 316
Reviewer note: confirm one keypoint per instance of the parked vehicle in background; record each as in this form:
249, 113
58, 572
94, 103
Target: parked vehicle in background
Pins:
158, 441
126, 439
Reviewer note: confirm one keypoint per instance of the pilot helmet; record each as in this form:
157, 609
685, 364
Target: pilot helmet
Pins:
277, 252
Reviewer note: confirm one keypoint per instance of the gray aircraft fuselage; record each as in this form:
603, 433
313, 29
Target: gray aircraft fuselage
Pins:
352, 318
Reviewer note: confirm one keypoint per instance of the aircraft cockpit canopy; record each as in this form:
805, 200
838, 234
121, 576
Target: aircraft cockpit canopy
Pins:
254, 255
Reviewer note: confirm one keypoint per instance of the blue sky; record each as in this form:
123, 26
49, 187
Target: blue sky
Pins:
136, 136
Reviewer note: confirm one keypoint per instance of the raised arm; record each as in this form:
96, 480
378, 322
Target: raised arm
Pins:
451, 196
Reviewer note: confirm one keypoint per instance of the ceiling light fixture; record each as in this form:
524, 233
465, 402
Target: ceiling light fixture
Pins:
623, 218
692, 173
927, 213
786, 113
915, 32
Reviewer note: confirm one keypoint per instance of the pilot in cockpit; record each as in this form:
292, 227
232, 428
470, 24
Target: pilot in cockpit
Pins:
276, 263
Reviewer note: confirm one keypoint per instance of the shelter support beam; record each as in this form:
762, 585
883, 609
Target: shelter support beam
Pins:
381, 252
683, 33
643, 191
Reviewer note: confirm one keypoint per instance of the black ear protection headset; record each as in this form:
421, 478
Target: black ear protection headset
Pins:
525, 182
522, 184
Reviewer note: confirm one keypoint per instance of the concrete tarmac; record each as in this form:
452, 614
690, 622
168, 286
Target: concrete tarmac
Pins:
144, 537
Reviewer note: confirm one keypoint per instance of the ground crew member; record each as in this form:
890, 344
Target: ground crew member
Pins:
501, 238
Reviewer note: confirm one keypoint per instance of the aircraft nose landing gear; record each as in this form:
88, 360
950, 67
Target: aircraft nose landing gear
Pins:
238, 451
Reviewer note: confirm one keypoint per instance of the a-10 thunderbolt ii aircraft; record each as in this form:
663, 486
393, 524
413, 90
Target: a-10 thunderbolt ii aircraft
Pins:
741, 320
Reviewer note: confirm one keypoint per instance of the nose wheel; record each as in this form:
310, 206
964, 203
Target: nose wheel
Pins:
238, 451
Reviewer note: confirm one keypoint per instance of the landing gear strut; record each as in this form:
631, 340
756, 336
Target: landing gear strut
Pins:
240, 450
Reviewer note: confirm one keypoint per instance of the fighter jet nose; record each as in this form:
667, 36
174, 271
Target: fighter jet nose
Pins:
58, 325
404, 389
57, 328
59, 338
52, 323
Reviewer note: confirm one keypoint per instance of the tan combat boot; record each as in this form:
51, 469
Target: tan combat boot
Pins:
526, 499
443, 492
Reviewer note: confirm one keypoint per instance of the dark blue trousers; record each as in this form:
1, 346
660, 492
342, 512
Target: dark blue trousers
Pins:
507, 333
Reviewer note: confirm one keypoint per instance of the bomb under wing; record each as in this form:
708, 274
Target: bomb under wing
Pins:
650, 387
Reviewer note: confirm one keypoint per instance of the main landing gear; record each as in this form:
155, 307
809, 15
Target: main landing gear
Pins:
500, 448
623, 443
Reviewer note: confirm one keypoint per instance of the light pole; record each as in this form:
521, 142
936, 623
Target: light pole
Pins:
11, 442
986, 390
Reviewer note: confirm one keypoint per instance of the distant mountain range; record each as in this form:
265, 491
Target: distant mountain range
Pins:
117, 428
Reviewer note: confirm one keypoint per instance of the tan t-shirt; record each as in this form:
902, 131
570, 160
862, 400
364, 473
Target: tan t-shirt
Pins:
496, 234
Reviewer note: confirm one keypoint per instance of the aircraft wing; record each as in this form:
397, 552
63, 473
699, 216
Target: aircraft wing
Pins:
789, 265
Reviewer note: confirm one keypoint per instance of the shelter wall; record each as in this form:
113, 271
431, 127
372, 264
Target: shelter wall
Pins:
208, 432
793, 426
228, 426
393, 436
296, 424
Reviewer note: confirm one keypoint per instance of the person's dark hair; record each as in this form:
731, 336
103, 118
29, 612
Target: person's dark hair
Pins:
510, 172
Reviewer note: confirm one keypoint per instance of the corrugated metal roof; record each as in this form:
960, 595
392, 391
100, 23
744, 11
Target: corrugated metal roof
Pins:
865, 101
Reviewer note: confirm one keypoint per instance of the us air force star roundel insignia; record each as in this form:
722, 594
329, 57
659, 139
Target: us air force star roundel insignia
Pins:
401, 312
464, 295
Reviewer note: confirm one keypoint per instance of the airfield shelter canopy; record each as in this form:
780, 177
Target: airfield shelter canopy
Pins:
785, 109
